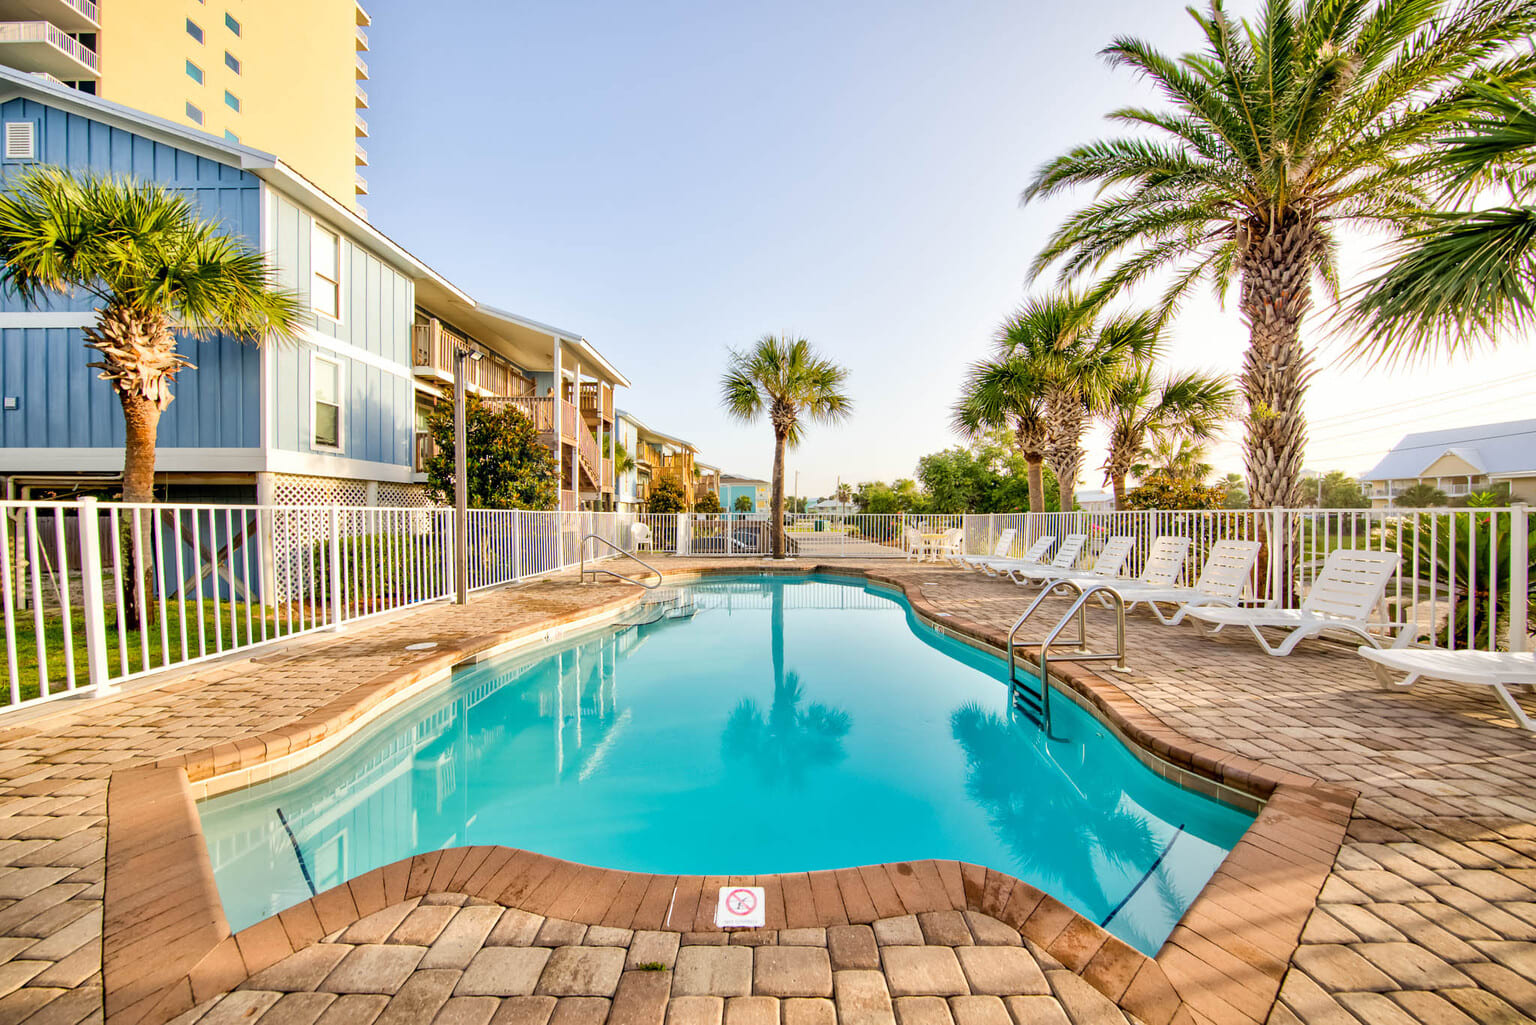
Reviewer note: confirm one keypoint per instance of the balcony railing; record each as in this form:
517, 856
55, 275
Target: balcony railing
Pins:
47, 32
360, 154
361, 184
362, 38
540, 410
597, 401
362, 66
362, 95
362, 124
434, 346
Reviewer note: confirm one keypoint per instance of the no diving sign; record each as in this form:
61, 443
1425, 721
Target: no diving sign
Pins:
740, 907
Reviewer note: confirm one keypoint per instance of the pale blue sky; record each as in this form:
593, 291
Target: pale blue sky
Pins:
673, 178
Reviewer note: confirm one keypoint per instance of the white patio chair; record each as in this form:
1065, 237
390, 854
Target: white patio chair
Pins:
1497, 669
1221, 582
1065, 559
1106, 567
1346, 591
1000, 554
950, 547
999, 550
640, 536
912, 543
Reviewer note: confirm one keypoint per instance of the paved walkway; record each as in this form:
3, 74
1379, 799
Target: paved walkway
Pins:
446, 959
1428, 917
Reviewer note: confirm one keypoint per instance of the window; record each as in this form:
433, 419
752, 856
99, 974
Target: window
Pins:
194, 30
231, 101
231, 24
325, 386
325, 276
231, 136
21, 140
231, 62
195, 73
194, 114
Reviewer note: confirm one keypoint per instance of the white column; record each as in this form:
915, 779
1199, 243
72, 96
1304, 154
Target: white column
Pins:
559, 382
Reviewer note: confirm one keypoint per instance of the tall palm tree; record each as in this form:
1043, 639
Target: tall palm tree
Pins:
1272, 137
158, 268
1006, 392
788, 379
1140, 404
1466, 273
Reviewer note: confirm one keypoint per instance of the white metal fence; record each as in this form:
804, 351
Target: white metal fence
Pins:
94, 594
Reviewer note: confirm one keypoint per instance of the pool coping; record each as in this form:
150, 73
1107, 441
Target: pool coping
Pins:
168, 946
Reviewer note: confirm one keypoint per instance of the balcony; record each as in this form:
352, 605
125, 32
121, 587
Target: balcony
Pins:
362, 125
362, 66
491, 376
360, 210
596, 402
362, 38
68, 15
362, 97
360, 154
42, 46
361, 184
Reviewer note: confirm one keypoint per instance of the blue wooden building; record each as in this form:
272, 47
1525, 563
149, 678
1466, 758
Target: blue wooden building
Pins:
333, 418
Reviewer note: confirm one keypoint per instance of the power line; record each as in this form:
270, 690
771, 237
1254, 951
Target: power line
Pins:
1396, 409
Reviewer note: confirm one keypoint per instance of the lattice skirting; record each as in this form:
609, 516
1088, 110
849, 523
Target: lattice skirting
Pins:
292, 489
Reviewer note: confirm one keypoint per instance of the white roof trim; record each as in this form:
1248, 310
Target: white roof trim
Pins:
1465, 453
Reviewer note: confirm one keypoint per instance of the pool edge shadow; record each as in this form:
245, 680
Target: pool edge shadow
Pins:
1223, 962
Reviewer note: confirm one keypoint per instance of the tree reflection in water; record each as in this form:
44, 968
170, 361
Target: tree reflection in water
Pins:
1057, 826
787, 741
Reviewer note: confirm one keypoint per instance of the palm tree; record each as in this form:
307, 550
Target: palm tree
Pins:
1172, 456
1272, 137
1466, 273
1006, 393
1140, 404
157, 267
788, 379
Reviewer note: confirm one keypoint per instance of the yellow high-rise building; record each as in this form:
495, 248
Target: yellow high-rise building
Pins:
284, 76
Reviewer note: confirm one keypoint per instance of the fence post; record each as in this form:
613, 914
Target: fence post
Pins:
92, 601
335, 568
1277, 588
517, 544
1519, 574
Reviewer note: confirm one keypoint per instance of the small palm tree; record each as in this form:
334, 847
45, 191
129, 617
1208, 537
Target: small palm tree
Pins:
788, 379
1279, 132
156, 266
1140, 404
1174, 457
1006, 392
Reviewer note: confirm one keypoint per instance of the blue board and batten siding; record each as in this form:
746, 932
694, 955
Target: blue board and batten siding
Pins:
62, 403
377, 304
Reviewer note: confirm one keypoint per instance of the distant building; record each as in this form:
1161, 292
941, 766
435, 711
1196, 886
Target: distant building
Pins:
758, 492
1460, 461
657, 455
280, 75
1095, 501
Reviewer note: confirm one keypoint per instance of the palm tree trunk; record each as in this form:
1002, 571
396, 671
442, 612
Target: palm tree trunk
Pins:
778, 495
1276, 294
1032, 439
1036, 484
1119, 486
141, 417
1065, 451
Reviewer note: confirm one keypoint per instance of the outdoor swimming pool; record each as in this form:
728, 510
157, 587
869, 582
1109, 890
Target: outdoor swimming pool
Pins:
790, 724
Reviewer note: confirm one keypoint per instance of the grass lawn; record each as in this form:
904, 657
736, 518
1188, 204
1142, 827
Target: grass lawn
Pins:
57, 652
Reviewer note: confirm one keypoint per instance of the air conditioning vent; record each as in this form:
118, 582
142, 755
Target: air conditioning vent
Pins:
20, 140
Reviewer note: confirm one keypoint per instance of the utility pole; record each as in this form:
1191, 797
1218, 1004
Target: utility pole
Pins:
461, 477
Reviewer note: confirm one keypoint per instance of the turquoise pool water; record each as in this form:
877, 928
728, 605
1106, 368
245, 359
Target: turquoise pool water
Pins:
790, 724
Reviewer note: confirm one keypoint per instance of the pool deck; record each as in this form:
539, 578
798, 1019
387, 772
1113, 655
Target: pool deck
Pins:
1425, 914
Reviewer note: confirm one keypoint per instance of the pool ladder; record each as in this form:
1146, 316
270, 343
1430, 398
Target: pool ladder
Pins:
596, 569
1032, 697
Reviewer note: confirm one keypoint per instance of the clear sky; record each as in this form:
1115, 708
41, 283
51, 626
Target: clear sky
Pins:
678, 177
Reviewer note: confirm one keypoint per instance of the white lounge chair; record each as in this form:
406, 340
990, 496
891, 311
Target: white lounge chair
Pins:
999, 550
1106, 567
1221, 582
1497, 669
1065, 559
1346, 591
1033, 557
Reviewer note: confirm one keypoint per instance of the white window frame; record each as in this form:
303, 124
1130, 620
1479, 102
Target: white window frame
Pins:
335, 317
340, 447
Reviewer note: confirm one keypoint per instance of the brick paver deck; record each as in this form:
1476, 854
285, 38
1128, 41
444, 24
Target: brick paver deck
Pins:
1428, 916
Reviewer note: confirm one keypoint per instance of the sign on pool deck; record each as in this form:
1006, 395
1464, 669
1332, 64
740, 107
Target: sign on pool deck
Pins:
740, 907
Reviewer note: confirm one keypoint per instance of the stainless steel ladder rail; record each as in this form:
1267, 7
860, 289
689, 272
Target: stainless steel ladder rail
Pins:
1085, 591
596, 569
